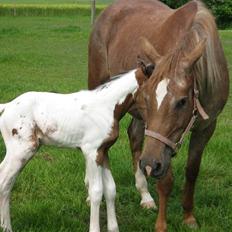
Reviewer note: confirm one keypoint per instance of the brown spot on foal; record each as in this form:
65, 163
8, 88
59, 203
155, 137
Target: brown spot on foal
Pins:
14, 132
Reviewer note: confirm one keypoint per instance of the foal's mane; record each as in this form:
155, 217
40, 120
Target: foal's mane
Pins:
110, 80
210, 66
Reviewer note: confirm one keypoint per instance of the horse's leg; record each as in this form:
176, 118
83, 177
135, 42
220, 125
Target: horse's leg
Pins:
110, 193
94, 174
15, 159
164, 188
136, 136
198, 141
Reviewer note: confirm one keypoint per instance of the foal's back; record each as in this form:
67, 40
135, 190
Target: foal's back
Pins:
54, 119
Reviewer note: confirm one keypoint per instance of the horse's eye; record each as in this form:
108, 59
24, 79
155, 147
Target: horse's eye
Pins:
181, 103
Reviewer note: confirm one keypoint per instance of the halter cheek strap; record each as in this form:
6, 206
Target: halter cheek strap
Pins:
197, 108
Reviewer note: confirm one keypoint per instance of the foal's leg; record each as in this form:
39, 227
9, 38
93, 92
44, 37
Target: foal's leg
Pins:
198, 141
110, 193
164, 188
87, 187
136, 137
16, 157
94, 174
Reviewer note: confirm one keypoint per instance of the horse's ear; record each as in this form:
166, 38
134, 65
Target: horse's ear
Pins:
190, 59
149, 51
147, 69
176, 26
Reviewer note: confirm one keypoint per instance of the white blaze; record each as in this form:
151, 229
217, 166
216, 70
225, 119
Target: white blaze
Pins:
161, 91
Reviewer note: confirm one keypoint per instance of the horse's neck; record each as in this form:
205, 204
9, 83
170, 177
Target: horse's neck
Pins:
117, 90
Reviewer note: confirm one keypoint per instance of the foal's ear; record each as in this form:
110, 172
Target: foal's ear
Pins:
149, 51
191, 58
147, 69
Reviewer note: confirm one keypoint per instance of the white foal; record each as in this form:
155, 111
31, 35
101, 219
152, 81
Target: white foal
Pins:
85, 120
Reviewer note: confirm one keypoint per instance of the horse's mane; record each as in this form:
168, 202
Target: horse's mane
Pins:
210, 66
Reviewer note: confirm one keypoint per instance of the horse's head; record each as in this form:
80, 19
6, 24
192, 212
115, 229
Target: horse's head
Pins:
165, 102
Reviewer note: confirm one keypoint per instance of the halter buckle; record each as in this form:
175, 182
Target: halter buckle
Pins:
178, 146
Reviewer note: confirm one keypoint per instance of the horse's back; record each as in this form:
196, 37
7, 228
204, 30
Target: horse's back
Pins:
113, 46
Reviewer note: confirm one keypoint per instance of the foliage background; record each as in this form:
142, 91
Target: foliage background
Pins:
222, 9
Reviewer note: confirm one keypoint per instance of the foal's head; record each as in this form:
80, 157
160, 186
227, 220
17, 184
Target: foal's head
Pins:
165, 102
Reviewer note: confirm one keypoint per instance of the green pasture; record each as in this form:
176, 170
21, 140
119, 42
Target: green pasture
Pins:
54, 1
49, 7
50, 54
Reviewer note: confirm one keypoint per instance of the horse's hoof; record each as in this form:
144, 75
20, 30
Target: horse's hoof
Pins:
148, 205
191, 222
162, 229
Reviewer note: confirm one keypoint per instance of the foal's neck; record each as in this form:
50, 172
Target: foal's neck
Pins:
118, 89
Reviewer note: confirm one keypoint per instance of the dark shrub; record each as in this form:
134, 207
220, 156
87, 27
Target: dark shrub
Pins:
222, 9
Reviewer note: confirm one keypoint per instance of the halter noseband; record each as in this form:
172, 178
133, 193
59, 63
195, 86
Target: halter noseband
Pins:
197, 108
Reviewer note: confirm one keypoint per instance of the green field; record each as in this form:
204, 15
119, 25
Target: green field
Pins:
50, 54
53, 1
49, 8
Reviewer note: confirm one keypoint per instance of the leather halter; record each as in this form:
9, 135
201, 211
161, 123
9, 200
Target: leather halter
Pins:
197, 108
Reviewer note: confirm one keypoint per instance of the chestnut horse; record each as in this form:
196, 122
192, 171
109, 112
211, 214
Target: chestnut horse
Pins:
190, 82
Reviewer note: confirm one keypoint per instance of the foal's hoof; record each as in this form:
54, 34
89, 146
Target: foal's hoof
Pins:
148, 205
191, 222
6, 229
114, 230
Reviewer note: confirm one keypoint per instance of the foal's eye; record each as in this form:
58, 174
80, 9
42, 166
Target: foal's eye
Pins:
181, 103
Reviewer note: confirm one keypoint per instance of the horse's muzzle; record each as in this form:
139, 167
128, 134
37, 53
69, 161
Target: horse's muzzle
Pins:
155, 168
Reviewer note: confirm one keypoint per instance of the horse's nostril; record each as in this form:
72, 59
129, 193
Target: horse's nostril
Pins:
157, 166
157, 169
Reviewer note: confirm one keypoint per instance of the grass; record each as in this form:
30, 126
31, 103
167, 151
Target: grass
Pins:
49, 8
54, 1
50, 54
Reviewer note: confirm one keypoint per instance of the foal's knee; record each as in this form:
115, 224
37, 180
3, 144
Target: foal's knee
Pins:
95, 193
